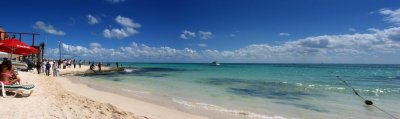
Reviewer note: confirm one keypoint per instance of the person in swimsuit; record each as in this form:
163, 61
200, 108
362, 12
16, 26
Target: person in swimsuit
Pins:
6, 74
14, 75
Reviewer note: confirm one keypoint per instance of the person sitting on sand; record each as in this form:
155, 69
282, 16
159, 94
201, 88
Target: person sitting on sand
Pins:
92, 67
6, 75
14, 75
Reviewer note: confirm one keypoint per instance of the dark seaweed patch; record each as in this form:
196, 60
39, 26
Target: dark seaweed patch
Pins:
223, 81
116, 79
271, 91
259, 88
154, 71
158, 69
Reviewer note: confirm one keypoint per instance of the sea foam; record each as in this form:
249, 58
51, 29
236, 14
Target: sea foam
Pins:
211, 107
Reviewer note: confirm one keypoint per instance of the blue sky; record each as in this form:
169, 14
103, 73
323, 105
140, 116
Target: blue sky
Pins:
206, 30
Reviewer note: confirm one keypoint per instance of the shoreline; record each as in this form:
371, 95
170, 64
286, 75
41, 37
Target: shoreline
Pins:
176, 103
129, 104
58, 97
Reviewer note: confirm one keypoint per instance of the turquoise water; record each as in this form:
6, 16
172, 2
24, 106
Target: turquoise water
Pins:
265, 90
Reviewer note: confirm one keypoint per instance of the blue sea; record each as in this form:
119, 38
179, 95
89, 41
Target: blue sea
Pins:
261, 91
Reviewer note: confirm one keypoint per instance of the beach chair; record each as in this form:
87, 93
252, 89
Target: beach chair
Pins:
16, 89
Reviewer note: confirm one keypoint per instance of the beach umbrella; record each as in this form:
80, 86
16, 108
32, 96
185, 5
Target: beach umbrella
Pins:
14, 46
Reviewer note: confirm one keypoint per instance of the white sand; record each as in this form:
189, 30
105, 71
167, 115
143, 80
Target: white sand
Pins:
60, 98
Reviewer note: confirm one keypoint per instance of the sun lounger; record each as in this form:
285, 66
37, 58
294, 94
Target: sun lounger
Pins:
16, 89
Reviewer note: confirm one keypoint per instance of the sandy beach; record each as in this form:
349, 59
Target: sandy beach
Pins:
59, 98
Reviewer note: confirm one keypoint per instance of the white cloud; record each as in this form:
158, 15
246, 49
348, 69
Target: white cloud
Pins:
134, 51
393, 16
187, 34
202, 45
47, 28
95, 45
92, 19
352, 29
129, 28
343, 48
127, 22
115, 1
119, 33
284, 34
204, 35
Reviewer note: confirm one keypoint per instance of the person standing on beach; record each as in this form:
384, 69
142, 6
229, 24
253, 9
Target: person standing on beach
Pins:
64, 64
55, 69
99, 65
80, 63
74, 64
43, 66
48, 68
38, 66
59, 63
117, 64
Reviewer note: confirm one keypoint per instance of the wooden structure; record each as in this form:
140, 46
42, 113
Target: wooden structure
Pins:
6, 35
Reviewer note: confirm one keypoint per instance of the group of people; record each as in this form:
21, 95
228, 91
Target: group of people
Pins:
93, 65
46, 66
70, 62
54, 66
8, 75
98, 66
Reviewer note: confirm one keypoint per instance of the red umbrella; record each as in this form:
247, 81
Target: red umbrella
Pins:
15, 46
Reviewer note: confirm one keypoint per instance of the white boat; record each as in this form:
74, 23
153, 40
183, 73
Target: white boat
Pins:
128, 70
215, 63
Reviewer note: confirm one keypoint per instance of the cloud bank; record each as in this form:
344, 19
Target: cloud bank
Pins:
343, 48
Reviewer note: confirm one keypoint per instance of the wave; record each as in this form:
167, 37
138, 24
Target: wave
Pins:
211, 107
133, 91
128, 70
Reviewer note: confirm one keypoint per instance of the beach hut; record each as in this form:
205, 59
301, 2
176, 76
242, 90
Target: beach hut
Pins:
38, 56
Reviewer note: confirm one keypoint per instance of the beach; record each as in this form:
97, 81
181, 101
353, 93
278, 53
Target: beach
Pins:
58, 98
200, 91
192, 59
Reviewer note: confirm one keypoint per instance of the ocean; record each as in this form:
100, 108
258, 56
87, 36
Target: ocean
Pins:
261, 91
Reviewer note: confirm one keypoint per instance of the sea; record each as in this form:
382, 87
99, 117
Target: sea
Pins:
261, 91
